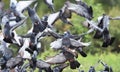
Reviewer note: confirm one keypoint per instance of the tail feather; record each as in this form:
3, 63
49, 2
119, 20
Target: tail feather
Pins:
112, 40
74, 64
105, 44
29, 50
81, 52
48, 69
97, 35
91, 12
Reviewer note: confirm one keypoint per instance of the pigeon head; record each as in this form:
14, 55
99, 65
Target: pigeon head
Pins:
13, 6
67, 34
30, 11
45, 18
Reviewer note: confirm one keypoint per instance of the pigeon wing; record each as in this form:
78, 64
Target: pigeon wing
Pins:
21, 5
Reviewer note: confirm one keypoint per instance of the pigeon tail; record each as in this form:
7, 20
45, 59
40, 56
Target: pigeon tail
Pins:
48, 69
97, 35
105, 44
90, 10
74, 64
81, 52
112, 40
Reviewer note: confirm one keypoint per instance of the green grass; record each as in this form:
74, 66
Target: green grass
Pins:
111, 59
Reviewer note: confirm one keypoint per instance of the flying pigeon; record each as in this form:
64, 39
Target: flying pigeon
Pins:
81, 9
38, 25
9, 33
18, 7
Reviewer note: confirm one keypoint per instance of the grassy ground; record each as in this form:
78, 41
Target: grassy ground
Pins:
111, 59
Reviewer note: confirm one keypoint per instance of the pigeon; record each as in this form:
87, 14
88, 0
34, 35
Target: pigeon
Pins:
81, 9
71, 58
18, 7
33, 44
50, 4
67, 39
38, 25
9, 33
104, 24
91, 69
102, 30
106, 67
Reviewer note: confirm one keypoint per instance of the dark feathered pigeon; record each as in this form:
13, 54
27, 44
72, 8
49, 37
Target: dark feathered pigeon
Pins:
102, 30
104, 24
38, 25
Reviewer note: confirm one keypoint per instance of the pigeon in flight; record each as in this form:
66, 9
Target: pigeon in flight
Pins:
106, 67
101, 28
18, 7
81, 9
38, 25
104, 24
9, 33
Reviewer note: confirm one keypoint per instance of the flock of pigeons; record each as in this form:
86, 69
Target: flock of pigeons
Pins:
29, 45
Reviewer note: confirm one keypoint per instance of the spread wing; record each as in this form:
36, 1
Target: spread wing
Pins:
21, 5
